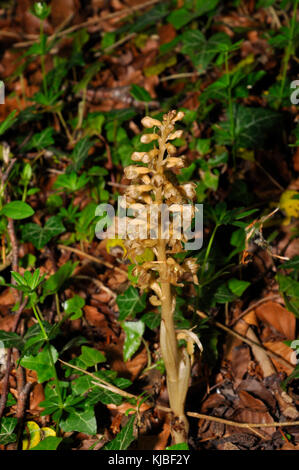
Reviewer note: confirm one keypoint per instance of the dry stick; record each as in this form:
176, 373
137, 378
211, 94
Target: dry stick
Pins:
8, 362
106, 385
177, 76
116, 44
98, 283
261, 356
253, 307
14, 245
22, 399
92, 258
247, 341
92, 21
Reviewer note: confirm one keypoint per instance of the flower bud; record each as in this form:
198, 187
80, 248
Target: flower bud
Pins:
150, 122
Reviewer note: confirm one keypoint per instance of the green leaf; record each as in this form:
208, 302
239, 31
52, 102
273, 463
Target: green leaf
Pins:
202, 6
97, 394
223, 295
49, 443
7, 427
291, 264
202, 51
74, 306
104, 396
149, 18
186, 173
290, 289
41, 363
134, 331
40, 236
181, 446
80, 421
130, 303
8, 339
80, 153
17, 210
140, 94
124, 438
238, 287
251, 125
151, 319
40, 140
71, 181
180, 17
8, 122
56, 281
89, 357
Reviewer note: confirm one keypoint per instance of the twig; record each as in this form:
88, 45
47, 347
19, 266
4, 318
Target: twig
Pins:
260, 355
176, 76
92, 258
100, 382
92, 21
242, 425
108, 386
14, 245
98, 283
5, 385
253, 307
247, 341
116, 44
22, 399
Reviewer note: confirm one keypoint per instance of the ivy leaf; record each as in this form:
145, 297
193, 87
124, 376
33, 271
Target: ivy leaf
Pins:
223, 294
73, 307
130, 303
251, 125
124, 438
56, 281
134, 331
89, 357
17, 210
41, 363
6, 430
40, 236
202, 51
238, 287
104, 396
49, 443
151, 319
80, 421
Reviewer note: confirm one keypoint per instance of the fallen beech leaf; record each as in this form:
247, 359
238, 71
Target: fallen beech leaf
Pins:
36, 396
284, 351
278, 317
130, 369
240, 362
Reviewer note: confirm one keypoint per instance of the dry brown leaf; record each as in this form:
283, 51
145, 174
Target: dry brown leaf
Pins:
240, 362
284, 351
7, 299
278, 317
36, 396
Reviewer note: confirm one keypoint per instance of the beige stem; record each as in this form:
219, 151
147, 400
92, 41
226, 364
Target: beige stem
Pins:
177, 364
